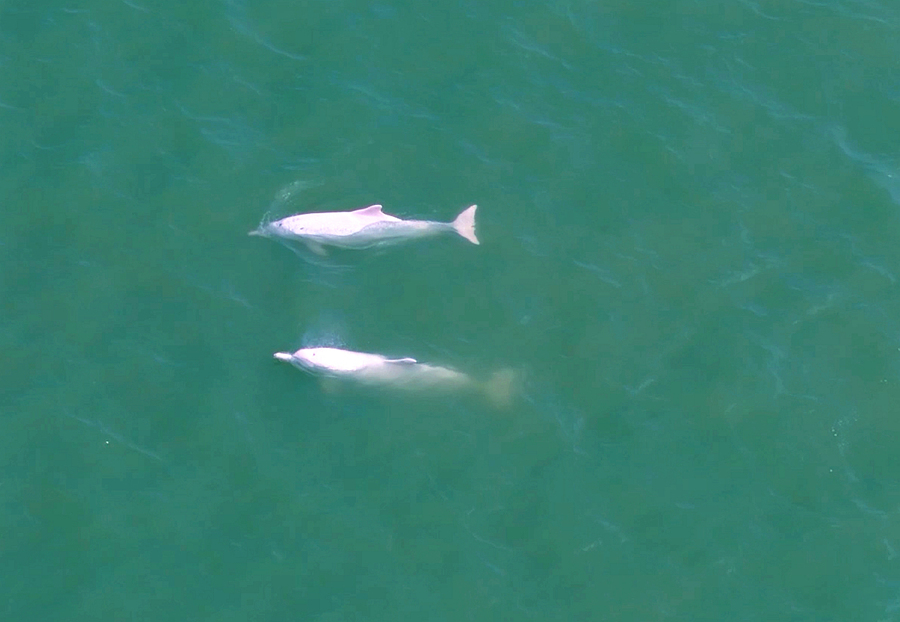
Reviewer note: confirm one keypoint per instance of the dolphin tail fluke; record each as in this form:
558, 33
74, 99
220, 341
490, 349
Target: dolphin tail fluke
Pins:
500, 388
465, 224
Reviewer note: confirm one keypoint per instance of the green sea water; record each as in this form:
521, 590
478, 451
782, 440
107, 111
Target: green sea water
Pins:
688, 213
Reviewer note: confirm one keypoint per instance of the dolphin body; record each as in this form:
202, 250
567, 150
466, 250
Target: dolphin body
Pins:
401, 373
362, 228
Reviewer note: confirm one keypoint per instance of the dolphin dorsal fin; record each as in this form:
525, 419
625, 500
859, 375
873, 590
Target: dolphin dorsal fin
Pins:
372, 210
404, 361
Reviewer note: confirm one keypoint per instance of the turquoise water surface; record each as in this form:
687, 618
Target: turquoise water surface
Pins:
689, 216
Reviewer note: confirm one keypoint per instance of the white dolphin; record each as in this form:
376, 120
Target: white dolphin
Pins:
401, 373
362, 228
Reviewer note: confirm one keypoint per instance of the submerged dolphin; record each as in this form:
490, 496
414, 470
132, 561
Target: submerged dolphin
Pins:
362, 228
402, 373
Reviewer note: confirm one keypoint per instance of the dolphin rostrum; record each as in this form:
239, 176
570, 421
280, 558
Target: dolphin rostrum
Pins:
362, 228
400, 373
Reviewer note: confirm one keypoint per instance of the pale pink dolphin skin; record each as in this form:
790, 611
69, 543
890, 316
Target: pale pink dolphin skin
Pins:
363, 228
400, 373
